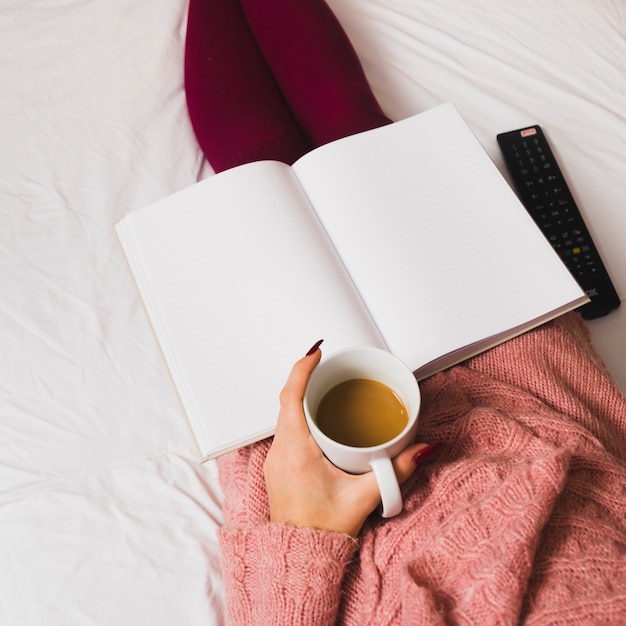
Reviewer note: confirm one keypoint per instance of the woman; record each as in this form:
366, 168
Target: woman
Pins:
272, 79
520, 516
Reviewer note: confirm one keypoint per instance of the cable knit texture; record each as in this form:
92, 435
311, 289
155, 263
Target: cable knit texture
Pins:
520, 519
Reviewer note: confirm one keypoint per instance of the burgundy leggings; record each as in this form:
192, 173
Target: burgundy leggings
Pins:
272, 79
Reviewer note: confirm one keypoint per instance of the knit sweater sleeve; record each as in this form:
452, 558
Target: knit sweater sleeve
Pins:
278, 574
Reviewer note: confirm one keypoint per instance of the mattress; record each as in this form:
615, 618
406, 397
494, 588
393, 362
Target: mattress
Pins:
106, 515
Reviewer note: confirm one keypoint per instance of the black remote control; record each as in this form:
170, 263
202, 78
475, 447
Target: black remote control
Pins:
543, 191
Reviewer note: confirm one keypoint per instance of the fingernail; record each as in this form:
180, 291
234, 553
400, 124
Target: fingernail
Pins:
426, 453
315, 347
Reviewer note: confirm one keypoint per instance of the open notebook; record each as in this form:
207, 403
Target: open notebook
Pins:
404, 237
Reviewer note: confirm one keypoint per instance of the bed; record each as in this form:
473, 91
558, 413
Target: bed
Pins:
106, 515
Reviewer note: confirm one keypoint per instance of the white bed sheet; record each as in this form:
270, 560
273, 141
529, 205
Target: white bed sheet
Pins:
106, 517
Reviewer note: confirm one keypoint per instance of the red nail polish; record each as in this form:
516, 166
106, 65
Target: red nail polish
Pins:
426, 453
315, 347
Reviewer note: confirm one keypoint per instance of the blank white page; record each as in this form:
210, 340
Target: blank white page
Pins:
437, 243
239, 280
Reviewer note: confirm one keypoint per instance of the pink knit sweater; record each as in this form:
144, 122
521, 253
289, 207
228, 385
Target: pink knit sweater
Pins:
520, 519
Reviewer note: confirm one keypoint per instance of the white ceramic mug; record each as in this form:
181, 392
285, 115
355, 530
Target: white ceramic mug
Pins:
382, 366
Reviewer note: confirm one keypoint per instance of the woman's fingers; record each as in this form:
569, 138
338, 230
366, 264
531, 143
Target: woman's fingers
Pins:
291, 416
303, 487
406, 462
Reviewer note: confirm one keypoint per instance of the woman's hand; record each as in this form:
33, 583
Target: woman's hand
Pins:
304, 488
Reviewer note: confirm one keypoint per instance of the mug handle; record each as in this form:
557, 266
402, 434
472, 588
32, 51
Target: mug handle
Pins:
388, 485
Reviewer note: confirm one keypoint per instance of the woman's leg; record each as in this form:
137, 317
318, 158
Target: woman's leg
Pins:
237, 111
315, 66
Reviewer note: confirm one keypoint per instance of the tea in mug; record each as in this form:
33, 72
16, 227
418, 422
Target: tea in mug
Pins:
361, 413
